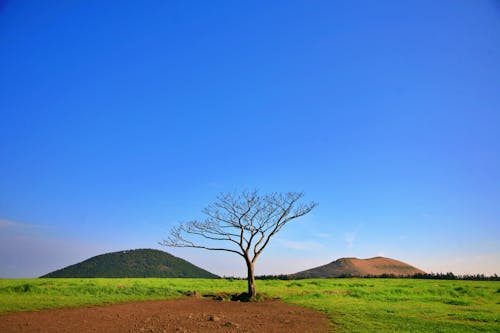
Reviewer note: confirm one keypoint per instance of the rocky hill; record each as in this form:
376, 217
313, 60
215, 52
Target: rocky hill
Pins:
132, 264
354, 267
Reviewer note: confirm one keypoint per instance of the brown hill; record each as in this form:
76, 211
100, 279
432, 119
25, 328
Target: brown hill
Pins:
359, 267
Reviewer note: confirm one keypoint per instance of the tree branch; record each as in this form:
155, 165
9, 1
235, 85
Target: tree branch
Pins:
254, 218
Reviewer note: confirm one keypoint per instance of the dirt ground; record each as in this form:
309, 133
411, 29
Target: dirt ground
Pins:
183, 315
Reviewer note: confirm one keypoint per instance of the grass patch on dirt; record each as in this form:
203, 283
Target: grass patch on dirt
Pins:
353, 305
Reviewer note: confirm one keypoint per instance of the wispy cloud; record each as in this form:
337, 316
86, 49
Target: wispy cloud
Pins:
300, 245
323, 235
30, 256
350, 237
4, 223
216, 185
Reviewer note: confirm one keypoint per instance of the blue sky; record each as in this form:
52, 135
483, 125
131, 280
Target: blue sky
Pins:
118, 119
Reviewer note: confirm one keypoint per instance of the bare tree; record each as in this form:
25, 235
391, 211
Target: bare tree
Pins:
244, 222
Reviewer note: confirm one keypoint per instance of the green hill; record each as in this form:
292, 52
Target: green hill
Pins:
132, 264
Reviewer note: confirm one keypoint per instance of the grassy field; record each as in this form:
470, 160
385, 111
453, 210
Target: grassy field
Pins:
353, 305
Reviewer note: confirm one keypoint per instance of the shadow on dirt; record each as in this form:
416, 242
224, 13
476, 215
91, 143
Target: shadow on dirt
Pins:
243, 297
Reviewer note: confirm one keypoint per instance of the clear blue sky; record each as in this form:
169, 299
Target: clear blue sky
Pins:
119, 119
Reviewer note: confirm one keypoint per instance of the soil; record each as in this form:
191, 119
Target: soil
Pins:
183, 315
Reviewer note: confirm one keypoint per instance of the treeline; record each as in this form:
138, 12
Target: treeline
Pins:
428, 276
451, 276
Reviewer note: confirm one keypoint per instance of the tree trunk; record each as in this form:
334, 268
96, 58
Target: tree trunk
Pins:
251, 280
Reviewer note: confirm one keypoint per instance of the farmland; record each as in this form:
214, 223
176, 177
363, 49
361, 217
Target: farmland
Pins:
352, 305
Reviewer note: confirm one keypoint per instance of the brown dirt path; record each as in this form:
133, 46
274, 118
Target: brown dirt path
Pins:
191, 315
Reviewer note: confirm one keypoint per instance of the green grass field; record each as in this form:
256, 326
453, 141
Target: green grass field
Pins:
353, 305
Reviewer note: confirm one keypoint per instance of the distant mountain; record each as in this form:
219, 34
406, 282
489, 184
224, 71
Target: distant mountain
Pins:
132, 264
359, 267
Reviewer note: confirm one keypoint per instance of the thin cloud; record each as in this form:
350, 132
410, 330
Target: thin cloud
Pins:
298, 245
324, 235
13, 224
6, 223
350, 237
32, 256
215, 185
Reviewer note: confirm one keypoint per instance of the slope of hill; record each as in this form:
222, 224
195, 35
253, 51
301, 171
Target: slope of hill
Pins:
132, 264
359, 267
